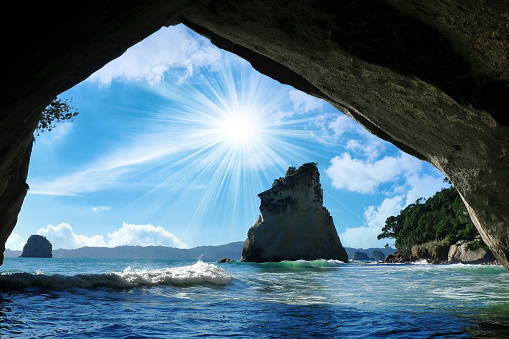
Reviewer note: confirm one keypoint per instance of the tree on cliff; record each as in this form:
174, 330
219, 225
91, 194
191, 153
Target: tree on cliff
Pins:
58, 110
441, 217
291, 171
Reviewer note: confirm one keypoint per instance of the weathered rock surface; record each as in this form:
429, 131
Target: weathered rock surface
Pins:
37, 246
293, 224
464, 251
434, 251
470, 252
398, 258
224, 260
359, 255
429, 76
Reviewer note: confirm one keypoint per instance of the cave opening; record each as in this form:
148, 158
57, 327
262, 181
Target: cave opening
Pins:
176, 138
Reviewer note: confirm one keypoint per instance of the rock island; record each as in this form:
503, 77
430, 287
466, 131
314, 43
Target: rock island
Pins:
293, 223
37, 246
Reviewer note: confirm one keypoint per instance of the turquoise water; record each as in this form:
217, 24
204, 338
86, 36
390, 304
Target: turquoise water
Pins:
110, 298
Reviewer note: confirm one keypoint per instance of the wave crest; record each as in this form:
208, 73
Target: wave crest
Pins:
196, 274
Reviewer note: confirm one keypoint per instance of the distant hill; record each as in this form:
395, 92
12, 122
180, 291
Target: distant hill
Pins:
350, 251
11, 253
232, 250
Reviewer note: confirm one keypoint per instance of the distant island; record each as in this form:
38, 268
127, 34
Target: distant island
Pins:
232, 250
37, 246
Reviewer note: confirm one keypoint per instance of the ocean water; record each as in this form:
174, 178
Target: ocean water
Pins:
110, 298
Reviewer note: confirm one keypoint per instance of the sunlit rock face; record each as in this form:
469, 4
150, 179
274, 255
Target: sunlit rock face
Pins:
293, 224
429, 76
469, 252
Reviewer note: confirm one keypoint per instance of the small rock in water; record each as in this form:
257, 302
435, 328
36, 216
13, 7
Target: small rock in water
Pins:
224, 260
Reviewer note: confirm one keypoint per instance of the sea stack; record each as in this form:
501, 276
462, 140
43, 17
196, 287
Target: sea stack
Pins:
37, 246
293, 224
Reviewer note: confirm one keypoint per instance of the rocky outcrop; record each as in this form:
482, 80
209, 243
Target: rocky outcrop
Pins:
433, 251
429, 76
225, 260
37, 246
359, 255
378, 255
439, 252
399, 258
470, 252
293, 224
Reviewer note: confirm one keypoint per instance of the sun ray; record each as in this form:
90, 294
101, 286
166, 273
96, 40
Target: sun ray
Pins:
230, 132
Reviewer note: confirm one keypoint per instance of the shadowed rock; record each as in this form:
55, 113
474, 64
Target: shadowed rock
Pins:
293, 223
37, 246
224, 260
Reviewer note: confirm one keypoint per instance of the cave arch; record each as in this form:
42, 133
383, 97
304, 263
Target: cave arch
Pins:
429, 77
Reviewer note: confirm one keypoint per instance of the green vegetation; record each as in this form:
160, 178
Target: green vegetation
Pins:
57, 111
291, 171
433, 249
442, 219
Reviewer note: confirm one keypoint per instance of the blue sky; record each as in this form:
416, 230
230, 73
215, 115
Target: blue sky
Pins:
176, 138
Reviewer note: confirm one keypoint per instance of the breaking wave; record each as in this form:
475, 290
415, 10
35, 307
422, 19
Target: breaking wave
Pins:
305, 263
196, 274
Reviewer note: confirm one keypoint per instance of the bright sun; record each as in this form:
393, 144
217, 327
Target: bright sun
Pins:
241, 128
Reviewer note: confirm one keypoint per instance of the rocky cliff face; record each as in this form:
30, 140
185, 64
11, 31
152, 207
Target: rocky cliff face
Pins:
470, 252
37, 246
293, 223
429, 76
436, 252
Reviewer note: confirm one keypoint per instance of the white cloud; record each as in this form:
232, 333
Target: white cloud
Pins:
14, 242
364, 177
304, 103
144, 235
89, 180
63, 236
104, 172
365, 236
343, 124
339, 129
170, 47
100, 208
416, 186
424, 186
367, 145
328, 128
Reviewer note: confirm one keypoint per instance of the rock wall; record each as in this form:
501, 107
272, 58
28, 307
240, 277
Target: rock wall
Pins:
429, 76
436, 252
293, 224
470, 252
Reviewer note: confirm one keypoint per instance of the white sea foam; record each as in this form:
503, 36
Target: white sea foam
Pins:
196, 274
308, 263
420, 262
